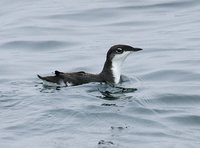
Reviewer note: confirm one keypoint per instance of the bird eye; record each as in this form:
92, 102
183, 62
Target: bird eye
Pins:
119, 50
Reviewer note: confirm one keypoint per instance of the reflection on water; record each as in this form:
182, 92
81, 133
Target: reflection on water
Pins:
110, 92
156, 105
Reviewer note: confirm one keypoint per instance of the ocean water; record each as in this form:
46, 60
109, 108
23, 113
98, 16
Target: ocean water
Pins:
38, 37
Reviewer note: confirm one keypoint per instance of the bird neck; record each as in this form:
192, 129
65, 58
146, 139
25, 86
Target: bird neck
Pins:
111, 71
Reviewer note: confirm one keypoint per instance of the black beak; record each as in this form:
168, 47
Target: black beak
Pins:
137, 49
134, 49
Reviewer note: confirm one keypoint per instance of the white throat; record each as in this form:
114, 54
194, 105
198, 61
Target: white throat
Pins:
117, 62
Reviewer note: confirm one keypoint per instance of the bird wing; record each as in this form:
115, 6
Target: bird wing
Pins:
74, 78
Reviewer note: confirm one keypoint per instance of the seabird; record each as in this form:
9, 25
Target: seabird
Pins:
111, 72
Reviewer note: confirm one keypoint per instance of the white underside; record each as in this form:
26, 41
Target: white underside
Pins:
62, 84
117, 65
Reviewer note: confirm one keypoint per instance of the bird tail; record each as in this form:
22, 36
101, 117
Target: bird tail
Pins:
51, 79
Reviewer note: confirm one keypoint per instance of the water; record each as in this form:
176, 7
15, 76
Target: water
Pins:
47, 35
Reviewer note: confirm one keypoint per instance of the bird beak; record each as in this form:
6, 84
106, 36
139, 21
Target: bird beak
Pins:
136, 49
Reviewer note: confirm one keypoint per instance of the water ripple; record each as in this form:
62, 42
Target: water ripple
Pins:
39, 45
166, 5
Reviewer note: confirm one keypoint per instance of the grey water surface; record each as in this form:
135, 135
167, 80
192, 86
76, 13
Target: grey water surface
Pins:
38, 37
